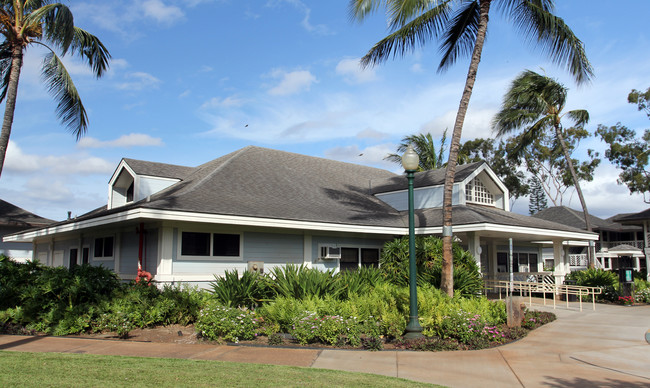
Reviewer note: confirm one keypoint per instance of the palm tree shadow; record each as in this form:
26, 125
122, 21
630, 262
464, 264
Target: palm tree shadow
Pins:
579, 382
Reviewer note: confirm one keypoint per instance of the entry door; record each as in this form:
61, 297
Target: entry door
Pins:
73, 257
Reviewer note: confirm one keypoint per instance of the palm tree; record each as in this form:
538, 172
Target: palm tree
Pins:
461, 25
24, 23
534, 104
425, 147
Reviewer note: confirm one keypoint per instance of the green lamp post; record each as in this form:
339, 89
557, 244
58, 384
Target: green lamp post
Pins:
410, 162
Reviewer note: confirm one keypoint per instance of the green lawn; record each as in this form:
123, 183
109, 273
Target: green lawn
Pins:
18, 369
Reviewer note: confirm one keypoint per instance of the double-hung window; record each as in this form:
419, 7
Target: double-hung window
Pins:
103, 247
210, 244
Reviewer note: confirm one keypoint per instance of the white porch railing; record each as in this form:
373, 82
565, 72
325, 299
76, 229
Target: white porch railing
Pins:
578, 260
612, 244
528, 288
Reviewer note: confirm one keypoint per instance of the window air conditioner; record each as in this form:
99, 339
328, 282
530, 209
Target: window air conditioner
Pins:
330, 253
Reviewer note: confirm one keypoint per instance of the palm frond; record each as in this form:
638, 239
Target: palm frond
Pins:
460, 36
580, 117
399, 12
57, 21
413, 34
70, 109
5, 69
92, 49
534, 19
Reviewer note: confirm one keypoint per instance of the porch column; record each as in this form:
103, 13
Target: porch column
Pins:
474, 247
168, 246
559, 261
493, 259
646, 249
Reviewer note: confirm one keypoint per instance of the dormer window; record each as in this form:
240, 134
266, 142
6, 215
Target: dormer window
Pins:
123, 189
478, 193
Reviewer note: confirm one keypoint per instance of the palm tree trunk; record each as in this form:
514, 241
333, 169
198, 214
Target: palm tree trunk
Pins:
574, 176
447, 275
10, 107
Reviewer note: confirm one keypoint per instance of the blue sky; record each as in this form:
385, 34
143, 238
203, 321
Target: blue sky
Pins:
192, 80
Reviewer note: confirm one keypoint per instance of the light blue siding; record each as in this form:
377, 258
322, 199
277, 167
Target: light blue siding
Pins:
344, 242
129, 246
424, 198
273, 247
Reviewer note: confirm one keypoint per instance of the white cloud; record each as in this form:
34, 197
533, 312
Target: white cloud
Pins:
291, 83
228, 102
319, 29
130, 140
19, 162
416, 68
139, 81
372, 155
353, 73
370, 133
162, 13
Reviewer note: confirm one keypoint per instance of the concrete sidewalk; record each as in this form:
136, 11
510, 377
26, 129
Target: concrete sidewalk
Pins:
602, 348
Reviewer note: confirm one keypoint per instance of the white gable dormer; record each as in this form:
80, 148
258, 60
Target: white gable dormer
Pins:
126, 186
481, 187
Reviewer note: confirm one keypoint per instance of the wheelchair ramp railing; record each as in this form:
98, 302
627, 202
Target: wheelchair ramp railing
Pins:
568, 293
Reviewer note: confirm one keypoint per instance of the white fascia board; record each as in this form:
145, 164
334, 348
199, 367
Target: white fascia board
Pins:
506, 229
122, 164
154, 214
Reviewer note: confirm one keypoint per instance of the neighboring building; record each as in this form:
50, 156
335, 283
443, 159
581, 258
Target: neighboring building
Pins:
618, 244
12, 220
642, 220
258, 207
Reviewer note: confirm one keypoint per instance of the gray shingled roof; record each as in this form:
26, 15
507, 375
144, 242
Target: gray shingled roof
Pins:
162, 170
574, 218
633, 217
11, 214
472, 214
261, 182
422, 179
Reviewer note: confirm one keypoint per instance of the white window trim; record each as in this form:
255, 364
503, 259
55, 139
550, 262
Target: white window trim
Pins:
181, 257
350, 246
470, 193
93, 258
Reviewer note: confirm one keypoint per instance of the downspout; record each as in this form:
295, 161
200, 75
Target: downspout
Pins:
140, 245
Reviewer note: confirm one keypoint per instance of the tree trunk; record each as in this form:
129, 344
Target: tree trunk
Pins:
447, 275
574, 176
10, 107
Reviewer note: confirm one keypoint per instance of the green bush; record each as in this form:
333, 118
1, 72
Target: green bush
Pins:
428, 251
594, 277
301, 282
231, 324
54, 300
248, 290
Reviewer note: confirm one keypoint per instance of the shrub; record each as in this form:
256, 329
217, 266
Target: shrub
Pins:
302, 282
373, 343
232, 324
428, 251
231, 290
594, 277
275, 339
329, 329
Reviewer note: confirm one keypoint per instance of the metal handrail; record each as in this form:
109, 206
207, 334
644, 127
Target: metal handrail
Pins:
555, 289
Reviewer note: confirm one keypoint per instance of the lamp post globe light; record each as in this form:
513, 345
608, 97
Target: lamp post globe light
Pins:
410, 162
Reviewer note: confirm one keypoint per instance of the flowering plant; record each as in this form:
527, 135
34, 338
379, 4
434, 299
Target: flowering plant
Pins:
143, 277
626, 300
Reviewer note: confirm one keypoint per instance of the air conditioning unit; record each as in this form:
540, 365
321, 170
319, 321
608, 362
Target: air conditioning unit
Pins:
330, 253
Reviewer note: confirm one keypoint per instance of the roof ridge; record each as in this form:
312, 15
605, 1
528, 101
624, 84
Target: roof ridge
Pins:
233, 156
